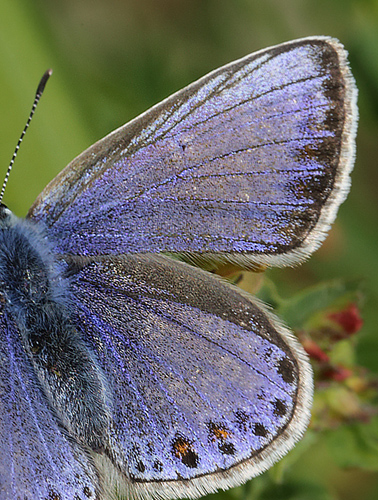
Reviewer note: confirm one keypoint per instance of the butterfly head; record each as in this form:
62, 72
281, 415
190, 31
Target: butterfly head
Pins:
7, 218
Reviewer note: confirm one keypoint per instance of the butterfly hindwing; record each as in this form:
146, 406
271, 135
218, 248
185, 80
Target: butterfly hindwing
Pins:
202, 378
249, 165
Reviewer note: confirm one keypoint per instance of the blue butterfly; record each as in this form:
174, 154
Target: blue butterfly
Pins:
127, 371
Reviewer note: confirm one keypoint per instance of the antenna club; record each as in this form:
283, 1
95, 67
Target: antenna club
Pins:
42, 83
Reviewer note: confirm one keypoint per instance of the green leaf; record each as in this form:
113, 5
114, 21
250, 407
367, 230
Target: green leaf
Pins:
355, 445
296, 491
277, 472
300, 308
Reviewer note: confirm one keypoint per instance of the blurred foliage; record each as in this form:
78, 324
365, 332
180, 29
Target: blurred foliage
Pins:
112, 60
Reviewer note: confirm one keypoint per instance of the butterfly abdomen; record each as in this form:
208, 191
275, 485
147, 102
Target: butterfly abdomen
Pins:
35, 296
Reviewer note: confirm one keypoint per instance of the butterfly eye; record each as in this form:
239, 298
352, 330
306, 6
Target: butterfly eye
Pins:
4, 212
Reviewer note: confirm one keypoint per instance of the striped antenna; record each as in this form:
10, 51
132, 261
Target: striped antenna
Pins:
40, 89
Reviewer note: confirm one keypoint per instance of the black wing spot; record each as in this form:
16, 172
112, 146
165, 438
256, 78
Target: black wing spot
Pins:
260, 430
286, 370
242, 421
158, 466
280, 408
140, 466
87, 492
261, 396
53, 495
183, 450
268, 354
226, 448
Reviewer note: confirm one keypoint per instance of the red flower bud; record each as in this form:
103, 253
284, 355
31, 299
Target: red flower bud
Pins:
349, 319
337, 373
314, 351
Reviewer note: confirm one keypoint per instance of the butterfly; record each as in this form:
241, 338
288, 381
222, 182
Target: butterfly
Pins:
127, 372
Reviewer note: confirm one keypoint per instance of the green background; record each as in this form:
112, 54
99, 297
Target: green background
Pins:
113, 59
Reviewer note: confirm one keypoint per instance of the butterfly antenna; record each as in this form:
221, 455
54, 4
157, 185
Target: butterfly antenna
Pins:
38, 94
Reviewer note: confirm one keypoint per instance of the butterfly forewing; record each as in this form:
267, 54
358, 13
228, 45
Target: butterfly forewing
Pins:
203, 378
248, 164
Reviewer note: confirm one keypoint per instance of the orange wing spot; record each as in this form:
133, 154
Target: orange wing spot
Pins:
184, 451
218, 432
181, 448
221, 433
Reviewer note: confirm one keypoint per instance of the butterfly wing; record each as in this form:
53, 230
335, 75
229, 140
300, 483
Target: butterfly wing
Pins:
252, 160
38, 460
206, 384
